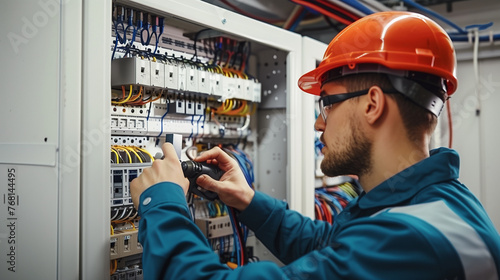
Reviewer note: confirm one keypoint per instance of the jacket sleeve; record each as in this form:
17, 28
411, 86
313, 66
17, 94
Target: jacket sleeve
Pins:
174, 247
386, 246
286, 233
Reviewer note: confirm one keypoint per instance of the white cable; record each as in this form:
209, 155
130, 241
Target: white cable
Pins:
348, 8
121, 217
245, 125
114, 217
377, 6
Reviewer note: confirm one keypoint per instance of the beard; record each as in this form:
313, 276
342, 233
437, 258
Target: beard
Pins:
351, 157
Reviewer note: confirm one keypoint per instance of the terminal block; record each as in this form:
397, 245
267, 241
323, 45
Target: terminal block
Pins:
215, 227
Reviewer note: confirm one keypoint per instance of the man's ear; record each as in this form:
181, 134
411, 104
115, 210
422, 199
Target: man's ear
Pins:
375, 104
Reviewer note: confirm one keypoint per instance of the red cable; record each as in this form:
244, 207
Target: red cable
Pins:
323, 11
236, 227
318, 212
339, 9
295, 17
328, 214
450, 124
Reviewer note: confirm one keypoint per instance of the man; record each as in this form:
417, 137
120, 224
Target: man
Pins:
383, 82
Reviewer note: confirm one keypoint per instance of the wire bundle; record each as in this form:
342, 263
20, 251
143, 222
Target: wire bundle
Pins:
460, 34
236, 107
123, 214
130, 154
246, 166
330, 201
137, 99
146, 25
230, 55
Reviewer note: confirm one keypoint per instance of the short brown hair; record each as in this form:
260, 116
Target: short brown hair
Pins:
416, 119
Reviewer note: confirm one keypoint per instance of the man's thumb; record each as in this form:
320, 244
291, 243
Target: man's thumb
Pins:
208, 183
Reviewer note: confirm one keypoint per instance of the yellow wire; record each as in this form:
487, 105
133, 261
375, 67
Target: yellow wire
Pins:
245, 110
347, 188
146, 152
133, 226
135, 97
125, 150
241, 110
112, 230
226, 107
117, 157
218, 209
135, 153
254, 108
115, 267
219, 69
126, 99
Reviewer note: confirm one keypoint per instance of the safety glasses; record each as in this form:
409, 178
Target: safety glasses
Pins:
326, 102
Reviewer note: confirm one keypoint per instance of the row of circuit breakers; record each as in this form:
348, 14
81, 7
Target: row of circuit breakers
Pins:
183, 77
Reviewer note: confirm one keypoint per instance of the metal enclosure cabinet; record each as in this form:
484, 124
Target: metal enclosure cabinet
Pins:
54, 146
40, 143
312, 54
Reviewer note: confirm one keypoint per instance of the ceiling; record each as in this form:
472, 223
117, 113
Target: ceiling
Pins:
313, 23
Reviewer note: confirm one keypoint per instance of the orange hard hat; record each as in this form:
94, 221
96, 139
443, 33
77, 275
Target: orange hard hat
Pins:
394, 40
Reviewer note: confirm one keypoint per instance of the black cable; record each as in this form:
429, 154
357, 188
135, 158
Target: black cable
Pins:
332, 24
195, 55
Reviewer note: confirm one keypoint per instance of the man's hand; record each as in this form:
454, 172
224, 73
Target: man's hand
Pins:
232, 187
169, 169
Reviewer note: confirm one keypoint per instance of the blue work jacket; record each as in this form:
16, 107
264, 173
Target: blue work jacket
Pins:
422, 223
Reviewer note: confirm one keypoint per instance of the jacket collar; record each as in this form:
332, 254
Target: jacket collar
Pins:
442, 165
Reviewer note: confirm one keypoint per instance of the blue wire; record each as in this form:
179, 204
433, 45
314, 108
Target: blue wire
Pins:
162, 117
358, 6
198, 126
298, 20
149, 110
461, 36
211, 209
204, 115
114, 49
483, 38
436, 15
120, 38
191, 135
221, 245
235, 237
134, 33
243, 168
248, 165
145, 43
156, 41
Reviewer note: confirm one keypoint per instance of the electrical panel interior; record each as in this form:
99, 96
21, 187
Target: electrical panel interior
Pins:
196, 87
